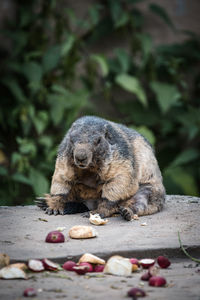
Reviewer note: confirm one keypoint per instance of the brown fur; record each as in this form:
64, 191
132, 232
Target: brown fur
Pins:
117, 183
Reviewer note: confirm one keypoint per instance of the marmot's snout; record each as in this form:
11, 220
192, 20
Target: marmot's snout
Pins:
82, 156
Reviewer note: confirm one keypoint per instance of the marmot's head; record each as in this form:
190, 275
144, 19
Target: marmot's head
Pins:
87, 145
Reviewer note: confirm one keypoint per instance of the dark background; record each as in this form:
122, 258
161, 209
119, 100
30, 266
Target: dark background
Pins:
132, 61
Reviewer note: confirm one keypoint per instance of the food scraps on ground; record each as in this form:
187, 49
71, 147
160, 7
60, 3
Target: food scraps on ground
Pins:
60, 228
118, 265
4, 260
82, 232
30, 292
136, 292
163, 262
152, 271
93, 259
147, 262
21, 266
10, 272
143, 224
50, 265
55, 237
157, 281
97, 220
69, 265
98, 268
35, 265
88, 265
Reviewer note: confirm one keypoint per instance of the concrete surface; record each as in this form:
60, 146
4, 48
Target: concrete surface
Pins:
23, 233
183, 283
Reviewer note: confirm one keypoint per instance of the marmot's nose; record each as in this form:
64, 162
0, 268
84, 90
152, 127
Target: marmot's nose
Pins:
81, 157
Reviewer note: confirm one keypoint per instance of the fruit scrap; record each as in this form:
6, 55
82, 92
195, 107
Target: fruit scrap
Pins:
81, 270
97, 220
134, 261
88, 265
30, 292
93, 259
98, 268
50, 265
136, 292
118, 265
147, 262
152, 271
55, 237
163, 262
4, 260
21, 266
60, 229
82, 232
135, 264
11, 272
35, 265
157, 281
69, 265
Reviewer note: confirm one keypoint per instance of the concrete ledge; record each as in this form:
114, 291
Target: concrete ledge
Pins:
23, 233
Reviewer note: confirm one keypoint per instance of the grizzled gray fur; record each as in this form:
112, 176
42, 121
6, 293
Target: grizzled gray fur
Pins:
107, 167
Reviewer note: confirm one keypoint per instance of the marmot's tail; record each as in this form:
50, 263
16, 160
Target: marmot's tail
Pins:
70, 207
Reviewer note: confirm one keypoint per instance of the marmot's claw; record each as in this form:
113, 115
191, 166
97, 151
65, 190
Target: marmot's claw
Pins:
86, 214
41, 202
49, 211
61, 211
55, 212
126, 213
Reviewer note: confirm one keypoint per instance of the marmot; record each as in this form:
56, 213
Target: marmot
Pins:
108, 167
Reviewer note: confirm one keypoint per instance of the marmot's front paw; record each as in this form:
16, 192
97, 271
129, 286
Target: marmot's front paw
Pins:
51, 211
56, 204
85, 214
126, 213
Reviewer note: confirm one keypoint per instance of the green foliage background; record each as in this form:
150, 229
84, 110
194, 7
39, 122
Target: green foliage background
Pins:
51, 74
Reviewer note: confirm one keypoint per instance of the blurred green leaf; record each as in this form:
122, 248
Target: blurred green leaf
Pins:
58, 105
3, 171
161, 12
21, 178
94, 13
167, 95
39, 182
46, 141
101, 60
183, 179
124, 59
33, 73
27, 147
186, 156
132, 84
68, 44
40, 121
51, 58
15, 89
146, 44
147, 133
